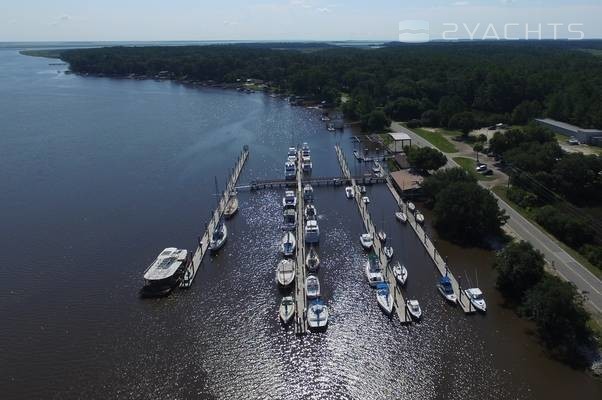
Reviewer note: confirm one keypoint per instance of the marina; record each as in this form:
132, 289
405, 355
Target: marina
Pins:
205, 240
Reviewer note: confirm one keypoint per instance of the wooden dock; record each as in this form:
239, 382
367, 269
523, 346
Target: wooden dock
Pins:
203, 245
398, 299
317, 181
300, 300
438, 261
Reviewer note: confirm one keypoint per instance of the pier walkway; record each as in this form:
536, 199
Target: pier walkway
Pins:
439, 262
203, 245
317, 181
300, 300
398, 299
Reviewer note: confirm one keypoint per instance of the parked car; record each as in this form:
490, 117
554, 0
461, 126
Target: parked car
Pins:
481, 167
573, 141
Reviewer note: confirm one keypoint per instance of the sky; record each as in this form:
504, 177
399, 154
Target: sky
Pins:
146, 20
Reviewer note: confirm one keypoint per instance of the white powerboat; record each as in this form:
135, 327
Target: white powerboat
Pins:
366, 199
289, 200
165, 273
290, 171
312, 260
317, 315
285, 272
306, 164
310, 212
400, 273
414, 309
349, 192
401, 217
384, 297
231, 206
288, 244
363, 189
305, 151
286, 309
367, 241
373, 271
292, 152
388, 250
312, 287
476, 299
290, 219
411, 207
419, 217
382, 236
312, 231
308, 193
376, 168
446, 289
219, 236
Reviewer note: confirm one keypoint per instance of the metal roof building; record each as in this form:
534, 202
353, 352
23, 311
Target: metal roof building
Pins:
587, 136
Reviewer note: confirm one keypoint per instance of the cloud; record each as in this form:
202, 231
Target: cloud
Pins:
460, 3
230, 23
324, 10
507, 2
63, 19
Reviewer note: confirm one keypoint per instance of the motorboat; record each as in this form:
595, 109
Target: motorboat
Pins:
382, 236
419, 217
289, 200
401, 217
373, 272
288, 244
165, 272
376, 168
286, 309
367, 241
366, 200
306, 164
363, 189
310, 212
312, 231
219, 236
388, 250
476, 298
400, 273
325, 118
290, 171
317, 315
312, 260
292, 159
384, 297
308, 192
285, 272
292, 152
414, 309
305, 151
312, 287
411, 207
446, 289
349, 192
231, 206
290, 219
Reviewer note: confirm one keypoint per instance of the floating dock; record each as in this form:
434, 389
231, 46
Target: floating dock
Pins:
317, 181
300, 300
439, 262
203, 246
398, 299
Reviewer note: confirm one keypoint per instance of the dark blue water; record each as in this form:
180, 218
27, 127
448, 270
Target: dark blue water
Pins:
98, 175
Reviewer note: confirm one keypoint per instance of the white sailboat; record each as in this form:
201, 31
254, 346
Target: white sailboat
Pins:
219, 236
285, 272
400, 273
384, 297
414, 309
312, 287
444, 286
288, 244
312, 260
367, 241
286, 309
231, 206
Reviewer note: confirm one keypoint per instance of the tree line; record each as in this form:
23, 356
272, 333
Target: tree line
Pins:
455, 85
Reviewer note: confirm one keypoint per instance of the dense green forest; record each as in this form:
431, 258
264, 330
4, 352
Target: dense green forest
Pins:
457, 85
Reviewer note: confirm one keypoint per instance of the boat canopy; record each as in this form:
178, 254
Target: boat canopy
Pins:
166, 264
445, 281
382, 287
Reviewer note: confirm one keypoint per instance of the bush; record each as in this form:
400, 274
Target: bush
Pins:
425, 158
523, 198
519, 267
593, 253
571, 231
414, 123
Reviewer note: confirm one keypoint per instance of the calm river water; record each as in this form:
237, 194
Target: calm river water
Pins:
98, 175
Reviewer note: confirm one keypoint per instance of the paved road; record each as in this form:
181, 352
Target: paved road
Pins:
564, 264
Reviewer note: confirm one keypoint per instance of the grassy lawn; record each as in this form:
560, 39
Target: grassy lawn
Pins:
42, 53
437, 139
501, 191
470, 166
